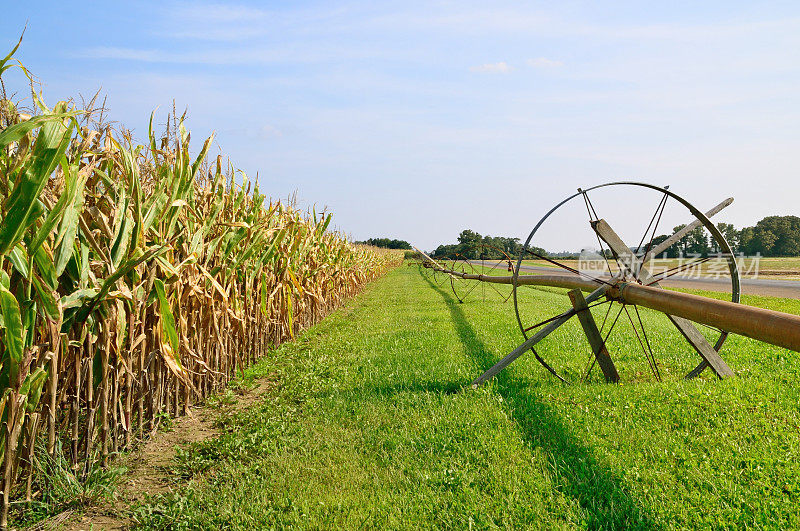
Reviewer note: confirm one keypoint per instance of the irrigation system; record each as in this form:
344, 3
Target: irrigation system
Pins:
627, 284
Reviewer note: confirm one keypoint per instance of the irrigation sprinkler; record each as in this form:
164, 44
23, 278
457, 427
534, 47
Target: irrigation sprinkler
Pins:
478, 257
626, 285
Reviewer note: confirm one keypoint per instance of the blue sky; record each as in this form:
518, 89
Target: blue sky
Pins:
415, 120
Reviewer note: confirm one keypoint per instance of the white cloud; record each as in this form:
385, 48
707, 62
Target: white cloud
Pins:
217, 13
220, 33
215, 22
492, 68
233, 56
543, 62
131, 54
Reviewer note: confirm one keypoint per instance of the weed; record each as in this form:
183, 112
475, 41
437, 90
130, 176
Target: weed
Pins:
62, 489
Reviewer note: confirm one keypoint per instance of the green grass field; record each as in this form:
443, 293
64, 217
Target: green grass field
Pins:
371, 423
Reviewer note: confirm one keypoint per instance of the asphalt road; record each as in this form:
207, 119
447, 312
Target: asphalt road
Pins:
788, 289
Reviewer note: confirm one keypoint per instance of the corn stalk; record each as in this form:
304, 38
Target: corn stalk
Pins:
135, 280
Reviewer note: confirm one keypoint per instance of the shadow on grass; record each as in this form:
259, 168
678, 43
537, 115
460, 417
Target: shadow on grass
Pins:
578, 473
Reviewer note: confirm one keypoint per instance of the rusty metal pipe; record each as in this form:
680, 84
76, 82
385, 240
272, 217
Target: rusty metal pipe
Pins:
776, 328
568, 281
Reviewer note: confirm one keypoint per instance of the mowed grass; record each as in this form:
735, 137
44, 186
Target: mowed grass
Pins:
370, 422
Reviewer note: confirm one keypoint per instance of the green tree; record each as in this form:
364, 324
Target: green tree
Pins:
469, 237
388, 244
697, 242
474, 246
772, 236
731, 235
671, 252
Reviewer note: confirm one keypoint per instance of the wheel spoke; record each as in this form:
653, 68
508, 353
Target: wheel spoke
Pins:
528, 344
678, 269
657, 218
568, 313
629, 262
647, 342
493, 265
686, 327
647, 353
611, 329
602, 327
666, 244
590, 209
471, 289
461, 264
491, 285
701, 345
568, 268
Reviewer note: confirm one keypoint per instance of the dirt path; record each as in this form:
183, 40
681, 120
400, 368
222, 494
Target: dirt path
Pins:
148, 466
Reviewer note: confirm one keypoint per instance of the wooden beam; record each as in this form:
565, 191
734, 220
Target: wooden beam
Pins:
593, 336
531, 341
666, 244
626, 258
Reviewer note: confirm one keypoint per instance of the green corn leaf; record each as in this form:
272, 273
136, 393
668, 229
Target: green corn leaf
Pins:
120, 210
84, 266
132, 168
201, 156
97, 368
250, 250
123, 270
19, 259
152, 135
167, 322
196, 244
47, 299
324, 226
44, 263
3, 64
32, 387
77, 298
122, 240
67, 231
20, 206
74, 182
156, 204
267, 255
12, 337
264, 295
14, 133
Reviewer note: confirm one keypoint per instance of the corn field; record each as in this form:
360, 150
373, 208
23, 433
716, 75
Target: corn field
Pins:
136, 280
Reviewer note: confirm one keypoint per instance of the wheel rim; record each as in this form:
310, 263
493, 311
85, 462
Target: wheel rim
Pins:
718, 239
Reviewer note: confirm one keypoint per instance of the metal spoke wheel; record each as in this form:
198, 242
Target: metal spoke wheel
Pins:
625, 230
425, 269
484, 259
461, 288
440, 277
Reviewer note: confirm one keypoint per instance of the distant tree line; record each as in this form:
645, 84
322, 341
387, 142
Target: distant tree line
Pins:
387, 243
473, 246
772, 236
